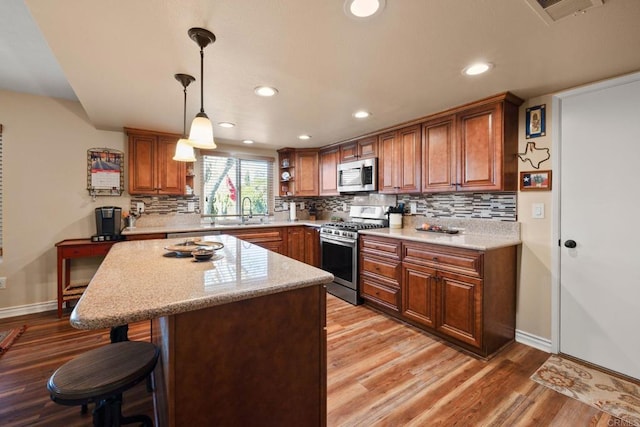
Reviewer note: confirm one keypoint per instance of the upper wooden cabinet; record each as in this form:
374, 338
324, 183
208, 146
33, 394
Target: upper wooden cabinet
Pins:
472, 148
398, 161
152, 169
329, 172
361, 149
298, 172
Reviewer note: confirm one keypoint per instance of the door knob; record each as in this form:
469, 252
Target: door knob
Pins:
570, 244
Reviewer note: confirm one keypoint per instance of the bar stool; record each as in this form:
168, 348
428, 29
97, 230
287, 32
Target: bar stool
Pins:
102, 375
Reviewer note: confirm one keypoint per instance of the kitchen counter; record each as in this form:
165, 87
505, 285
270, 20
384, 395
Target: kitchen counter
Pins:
481, 242
189, 228
136, 282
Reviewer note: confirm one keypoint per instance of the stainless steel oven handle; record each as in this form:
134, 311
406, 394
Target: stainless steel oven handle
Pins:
339, 241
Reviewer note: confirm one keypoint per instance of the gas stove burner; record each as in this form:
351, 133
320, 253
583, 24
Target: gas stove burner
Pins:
353, 226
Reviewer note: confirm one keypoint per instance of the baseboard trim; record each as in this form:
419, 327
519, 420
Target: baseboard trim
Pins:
21, 310
534, 341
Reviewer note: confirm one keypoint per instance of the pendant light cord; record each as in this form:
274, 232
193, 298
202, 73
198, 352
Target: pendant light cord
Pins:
201, 79
184, 114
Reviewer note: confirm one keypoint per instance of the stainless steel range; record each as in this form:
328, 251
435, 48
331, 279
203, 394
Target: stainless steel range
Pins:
339, 247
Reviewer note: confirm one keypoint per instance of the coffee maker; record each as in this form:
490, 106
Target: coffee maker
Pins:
108, 223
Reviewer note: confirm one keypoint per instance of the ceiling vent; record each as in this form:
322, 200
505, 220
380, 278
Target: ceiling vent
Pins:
553, 10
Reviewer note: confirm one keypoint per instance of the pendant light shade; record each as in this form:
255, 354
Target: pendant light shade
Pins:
184, 148
201, 134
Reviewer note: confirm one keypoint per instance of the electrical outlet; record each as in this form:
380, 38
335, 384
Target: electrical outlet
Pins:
191, 206
140, 207
301, 206
344, 206
3, 283
414, 207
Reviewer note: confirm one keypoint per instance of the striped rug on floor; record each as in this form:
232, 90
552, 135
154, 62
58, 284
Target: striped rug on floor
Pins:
610, 394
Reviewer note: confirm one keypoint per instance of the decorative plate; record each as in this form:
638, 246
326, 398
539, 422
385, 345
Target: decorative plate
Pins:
286, 176
183, 249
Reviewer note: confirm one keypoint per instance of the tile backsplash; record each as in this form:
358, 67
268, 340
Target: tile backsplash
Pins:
492, 206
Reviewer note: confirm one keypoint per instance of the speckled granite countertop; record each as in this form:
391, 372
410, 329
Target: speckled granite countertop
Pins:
475, 234
136, 282
469, 241
187, 228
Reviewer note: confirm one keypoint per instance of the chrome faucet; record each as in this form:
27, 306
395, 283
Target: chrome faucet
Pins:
250, 211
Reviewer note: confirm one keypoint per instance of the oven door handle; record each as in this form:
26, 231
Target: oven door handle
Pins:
339, 241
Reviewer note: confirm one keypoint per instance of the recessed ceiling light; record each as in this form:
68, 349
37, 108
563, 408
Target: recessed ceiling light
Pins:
477, 68
362, 9
304, 137
265, 91
248, 141
226, 125
361, 114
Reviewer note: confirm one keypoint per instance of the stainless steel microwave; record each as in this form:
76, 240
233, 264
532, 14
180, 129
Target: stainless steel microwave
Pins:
360, 175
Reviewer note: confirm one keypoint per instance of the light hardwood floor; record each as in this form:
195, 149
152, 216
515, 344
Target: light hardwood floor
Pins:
381, 372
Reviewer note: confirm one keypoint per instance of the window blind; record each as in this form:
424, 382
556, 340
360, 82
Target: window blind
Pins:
1, 187
228, 180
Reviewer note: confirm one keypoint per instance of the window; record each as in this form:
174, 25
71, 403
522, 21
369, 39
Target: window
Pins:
226, 181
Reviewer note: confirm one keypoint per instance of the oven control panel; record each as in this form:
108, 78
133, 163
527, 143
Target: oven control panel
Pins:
340, 233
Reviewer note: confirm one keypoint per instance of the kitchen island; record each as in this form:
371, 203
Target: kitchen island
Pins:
242, 337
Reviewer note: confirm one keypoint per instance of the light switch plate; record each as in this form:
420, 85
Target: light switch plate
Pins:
301, 206
191, 206
3, 282
344, 206
414, 207
537, 210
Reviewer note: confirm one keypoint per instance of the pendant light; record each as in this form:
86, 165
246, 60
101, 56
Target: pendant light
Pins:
184, 148
201, 134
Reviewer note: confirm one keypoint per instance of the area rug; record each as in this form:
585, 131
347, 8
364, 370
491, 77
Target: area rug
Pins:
609, 394
8, 337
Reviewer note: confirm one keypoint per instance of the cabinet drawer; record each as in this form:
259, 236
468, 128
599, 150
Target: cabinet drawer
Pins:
77, 251
100, 249
257, 236
388, 269
380, 294
447, 259
388, 248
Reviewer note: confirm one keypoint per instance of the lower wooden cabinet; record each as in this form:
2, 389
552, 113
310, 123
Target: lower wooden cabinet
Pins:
274, 239
295, 243
464, 296
312, 246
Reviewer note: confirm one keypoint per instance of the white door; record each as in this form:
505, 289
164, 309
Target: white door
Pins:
600, 212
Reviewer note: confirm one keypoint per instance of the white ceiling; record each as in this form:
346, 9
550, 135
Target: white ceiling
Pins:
119, 58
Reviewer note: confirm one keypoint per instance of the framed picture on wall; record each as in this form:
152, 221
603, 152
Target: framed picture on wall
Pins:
536, 121
535, 181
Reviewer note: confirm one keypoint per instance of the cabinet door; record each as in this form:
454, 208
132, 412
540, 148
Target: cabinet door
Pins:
306, 173
419, 294
295, 243
459, 308
409, 160
349, 152
368, 147
388, 155
171, 174
398, 164
312, 246
439, 155
480, 151
329, 172
142, 164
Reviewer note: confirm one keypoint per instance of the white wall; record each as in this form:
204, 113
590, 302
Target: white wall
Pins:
533, 310
45, 198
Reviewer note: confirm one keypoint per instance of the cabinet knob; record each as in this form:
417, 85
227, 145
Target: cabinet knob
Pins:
435, 258
570, 244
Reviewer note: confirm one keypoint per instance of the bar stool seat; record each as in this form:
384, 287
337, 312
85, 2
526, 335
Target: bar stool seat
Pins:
102, 375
